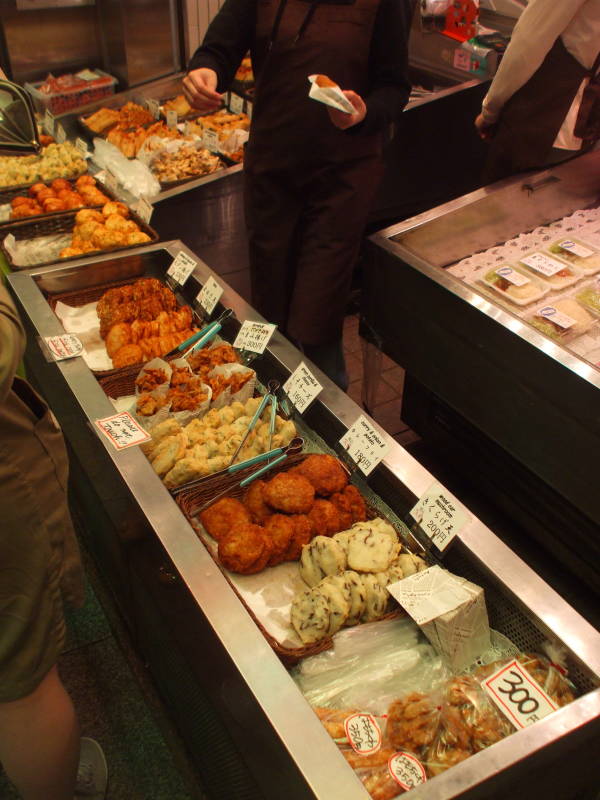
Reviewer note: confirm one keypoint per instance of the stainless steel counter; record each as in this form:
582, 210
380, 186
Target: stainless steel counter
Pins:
134, 527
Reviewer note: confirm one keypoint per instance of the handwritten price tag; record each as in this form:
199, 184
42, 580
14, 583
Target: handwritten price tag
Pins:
181, 268
365, 445
209, 295
406, 770
363, 733
462, 60
543, 264
172, 118
153, 107
122, 430
236, 104
254, 336
65, 346
440, 515
49, 122
59, 133
210, 140
144, 209
81, 145
520, 698
302, 387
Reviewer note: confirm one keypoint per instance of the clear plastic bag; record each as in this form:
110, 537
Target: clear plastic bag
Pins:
131, 173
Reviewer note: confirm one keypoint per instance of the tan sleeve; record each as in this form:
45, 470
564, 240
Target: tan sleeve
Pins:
12, 342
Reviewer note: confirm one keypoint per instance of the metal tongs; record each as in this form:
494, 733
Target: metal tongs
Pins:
202, 337
279, 455
270, 397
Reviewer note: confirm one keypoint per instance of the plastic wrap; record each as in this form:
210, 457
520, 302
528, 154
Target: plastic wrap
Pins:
132, 174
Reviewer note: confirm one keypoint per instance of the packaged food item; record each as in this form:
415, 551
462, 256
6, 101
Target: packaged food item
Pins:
554, 272
575, 251
514, 285
71, 91
563, 320
590, 298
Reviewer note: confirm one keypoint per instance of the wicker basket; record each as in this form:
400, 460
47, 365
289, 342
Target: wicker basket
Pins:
194, 497
8, 192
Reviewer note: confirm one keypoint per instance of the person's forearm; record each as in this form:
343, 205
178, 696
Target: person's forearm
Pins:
12, 342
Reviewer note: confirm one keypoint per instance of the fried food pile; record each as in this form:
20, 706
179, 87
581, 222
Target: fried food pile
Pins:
56, 161
181, 454
223, 122
244, 72
178, 104
103, 230
131, 115
187, 162
130, 140
60, 195
140, 321
185, 393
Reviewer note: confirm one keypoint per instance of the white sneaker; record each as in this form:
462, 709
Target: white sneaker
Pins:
92, 773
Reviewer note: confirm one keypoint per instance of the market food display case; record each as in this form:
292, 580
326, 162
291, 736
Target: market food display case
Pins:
240, 711
517, 410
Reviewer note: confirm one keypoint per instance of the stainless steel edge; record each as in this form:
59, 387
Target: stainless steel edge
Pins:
438, 95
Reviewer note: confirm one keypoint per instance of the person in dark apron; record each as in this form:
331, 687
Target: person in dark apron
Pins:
310, 172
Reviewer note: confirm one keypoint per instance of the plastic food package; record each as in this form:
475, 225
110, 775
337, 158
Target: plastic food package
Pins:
589, 297
577, 252
132, 174
562, 320
513, 285
549, 269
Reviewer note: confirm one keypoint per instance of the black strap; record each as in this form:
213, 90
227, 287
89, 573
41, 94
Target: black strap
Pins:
595, 66
307, 19
277, 23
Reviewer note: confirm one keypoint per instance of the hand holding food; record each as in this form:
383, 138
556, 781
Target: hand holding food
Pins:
344, 121
200, 88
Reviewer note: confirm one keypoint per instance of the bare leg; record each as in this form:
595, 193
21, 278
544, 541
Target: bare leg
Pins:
39, 742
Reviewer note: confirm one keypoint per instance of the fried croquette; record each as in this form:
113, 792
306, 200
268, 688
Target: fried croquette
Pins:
245, 549
303, 533
223, 515
255, 502
344, 507
325, 518
280, 530
290, 493
357, 501
324, 472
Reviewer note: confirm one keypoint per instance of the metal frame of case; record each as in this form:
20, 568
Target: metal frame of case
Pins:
278, 736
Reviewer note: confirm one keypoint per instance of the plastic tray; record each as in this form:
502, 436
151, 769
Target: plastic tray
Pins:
565, 334
575, 260
553, 281
542, 287
60, 102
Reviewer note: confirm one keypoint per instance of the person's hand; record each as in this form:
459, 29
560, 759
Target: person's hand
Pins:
200, 89
484, 129
342, 120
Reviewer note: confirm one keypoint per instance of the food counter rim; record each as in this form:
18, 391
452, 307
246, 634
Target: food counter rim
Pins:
516, 325
265, 677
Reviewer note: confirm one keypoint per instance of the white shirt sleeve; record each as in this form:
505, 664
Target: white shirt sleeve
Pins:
538, 27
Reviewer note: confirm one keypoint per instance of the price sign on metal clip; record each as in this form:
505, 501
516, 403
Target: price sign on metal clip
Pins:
153, 107
172, 118
181, 268
62, 347
81, 145
49, 122
365, 444
143, 209
302, 387
209, 295
122, 430
520, 698
236, 104
440, 515
254, 336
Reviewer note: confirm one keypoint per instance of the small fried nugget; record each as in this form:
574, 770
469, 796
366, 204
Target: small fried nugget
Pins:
85, 180
325, 518
37, 187
357, 502
245, 549
137, 237
255, 502
127, 355
88, 215
280, 530
324, 472
223, 515
344, 507
304, 531
114, 207
290, 493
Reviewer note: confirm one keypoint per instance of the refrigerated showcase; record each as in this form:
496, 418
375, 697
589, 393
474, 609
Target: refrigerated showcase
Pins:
243, 718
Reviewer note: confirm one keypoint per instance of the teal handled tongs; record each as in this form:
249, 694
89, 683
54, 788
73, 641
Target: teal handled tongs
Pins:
202, 337
270, 397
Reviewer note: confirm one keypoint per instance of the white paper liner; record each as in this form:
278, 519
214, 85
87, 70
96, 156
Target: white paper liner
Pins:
330, 96
42, 249
5, 212
225, 398
83, 321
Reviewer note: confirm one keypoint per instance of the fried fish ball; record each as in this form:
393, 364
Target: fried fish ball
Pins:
37, 187
290, 493
244, 549
21, 201
325, 517
115, 222
88, 215
223, 515
357, 502
344, 507
115, 208
87, 229
85, 180
60, 183
138, 237
304, 531
127, 355
324, 472
280, 530
255, 502
104, 238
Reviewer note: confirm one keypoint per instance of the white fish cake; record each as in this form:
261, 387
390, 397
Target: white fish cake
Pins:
410, 564
342, 583
310, 615
310, 571
343, 539
371, 551
357, 597
376, 598
329, 555
338, 605
395, 573
383, 578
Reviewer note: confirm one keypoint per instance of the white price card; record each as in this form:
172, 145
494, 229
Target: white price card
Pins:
181, 268
254, 336
59, 133
153, 107
172, 118
365, 444
462, 60
10, 241
49, 122
302, 387
81, 145
122, 430
562, 320
543, 264
520, 698
440, 515
210, 140
363, 733
236, 104
576, 248
406, 770
65, 346
143, 209
209, 295
512, 276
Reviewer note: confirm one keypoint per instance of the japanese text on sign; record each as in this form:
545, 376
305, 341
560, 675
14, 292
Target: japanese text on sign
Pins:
65, 346
153, 107
143, 209
236, 104
440, 515
577, 249
122, 430
363, 733
512, 276
520, 698
302, 387
543, 264
181, 268
406, 770
365, 445
172, 118
210, 140
556, 316
209, 295
49, 122
254, 336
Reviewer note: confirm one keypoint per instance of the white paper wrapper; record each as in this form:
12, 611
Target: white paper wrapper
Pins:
154, 146
5, 212
330, 96
226, 397
83, 321
29, 252
157, 363
234, 142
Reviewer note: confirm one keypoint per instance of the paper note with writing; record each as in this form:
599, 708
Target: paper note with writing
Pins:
363, 733
440, 515
576, 248
153, 107
65, 346
49, 122
556, 316
406, 770
236, 104
171, 118
81, 145
209, 295
143, 209
462, 60
254, 336
122, 430
181, 268
520, 698
365, 445
210, 140
543, 264
302, 387
512, 276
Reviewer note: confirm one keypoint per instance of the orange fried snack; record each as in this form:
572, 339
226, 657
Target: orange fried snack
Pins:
290, 493
223, 515
413, 723
245, 549
303, 533
344, 508
150, 379
279, 529
357, 502
255, 502
325, 473
127, 355
325, 518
